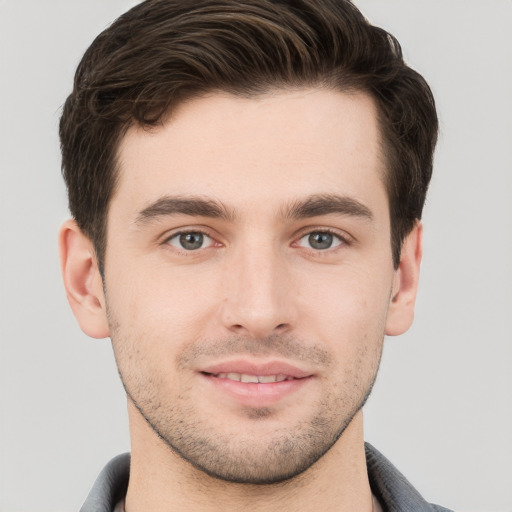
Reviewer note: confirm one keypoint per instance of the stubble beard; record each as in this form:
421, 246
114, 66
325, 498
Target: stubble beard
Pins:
242, 457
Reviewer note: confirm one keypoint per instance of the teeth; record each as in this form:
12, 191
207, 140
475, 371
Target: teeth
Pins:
255, 379
268, 378
248, 378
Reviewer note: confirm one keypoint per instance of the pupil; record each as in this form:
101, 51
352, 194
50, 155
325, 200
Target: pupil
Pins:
191, 241
320, 240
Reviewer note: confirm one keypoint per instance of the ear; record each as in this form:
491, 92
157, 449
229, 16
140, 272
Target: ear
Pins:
405, 284
82, 280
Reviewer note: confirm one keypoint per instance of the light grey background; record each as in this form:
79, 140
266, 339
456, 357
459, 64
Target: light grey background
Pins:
442, 406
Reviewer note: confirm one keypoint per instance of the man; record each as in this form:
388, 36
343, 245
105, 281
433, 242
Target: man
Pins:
246, 181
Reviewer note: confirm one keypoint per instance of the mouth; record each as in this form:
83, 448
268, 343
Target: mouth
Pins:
254, 384
252, 379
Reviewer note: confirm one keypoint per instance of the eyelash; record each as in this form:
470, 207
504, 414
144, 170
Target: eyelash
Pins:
189, 232
344, 240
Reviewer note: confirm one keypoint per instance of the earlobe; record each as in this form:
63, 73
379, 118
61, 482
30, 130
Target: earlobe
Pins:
82, 280
405, 286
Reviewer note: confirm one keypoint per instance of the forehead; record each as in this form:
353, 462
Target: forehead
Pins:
242, 151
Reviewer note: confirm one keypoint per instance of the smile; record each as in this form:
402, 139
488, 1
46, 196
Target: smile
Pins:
254, 384
255, 379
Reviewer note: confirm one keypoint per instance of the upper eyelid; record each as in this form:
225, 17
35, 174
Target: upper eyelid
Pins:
204, 230
195, 231
182, 250
182, 231
341, 234
334, 233
207, 240
342, 242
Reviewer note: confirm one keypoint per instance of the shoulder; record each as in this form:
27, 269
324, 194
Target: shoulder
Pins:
110, 486
392, 489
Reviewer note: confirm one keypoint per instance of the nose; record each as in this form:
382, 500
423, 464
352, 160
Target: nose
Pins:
259, 299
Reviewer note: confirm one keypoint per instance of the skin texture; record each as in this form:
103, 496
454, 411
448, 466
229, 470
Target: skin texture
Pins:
256, 184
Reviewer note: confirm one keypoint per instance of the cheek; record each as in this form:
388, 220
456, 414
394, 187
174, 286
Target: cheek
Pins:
348, 306
144, 341
161, 306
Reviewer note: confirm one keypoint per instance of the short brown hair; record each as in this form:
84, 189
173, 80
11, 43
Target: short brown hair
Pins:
162, 52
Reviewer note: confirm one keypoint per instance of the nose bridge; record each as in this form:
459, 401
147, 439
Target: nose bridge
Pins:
258, 298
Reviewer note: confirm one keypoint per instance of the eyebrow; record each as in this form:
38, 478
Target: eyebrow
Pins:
190, 205
326, 204
197, 206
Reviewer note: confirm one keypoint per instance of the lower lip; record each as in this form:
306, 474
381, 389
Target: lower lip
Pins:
256, 395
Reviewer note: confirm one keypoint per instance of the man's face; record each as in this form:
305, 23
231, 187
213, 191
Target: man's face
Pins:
248, 276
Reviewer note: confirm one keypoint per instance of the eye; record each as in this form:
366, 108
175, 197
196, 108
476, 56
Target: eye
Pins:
191, 241
320, 240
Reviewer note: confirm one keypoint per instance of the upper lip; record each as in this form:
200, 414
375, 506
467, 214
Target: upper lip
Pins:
259, 369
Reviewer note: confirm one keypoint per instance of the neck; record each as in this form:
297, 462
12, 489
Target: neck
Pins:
162, 481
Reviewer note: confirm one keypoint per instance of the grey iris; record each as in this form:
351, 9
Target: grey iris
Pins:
191, 241
320, 240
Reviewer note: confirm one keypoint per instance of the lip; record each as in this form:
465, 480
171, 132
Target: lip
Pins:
252, 368
251, 394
